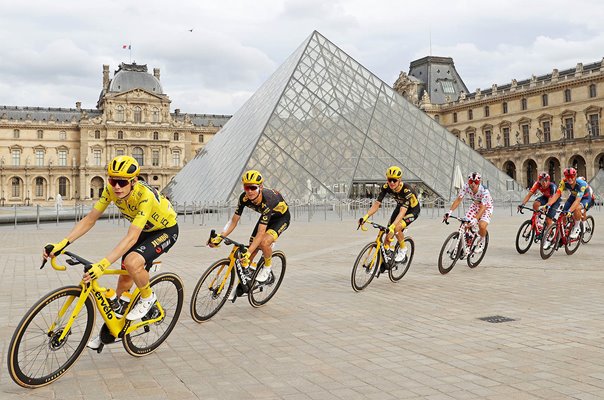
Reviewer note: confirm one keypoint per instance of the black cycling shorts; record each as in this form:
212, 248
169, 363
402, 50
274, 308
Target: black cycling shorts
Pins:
276, 225
411, 215
153, 244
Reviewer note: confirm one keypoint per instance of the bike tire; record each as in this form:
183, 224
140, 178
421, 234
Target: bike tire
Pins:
476, 258
525, 237
572, 245
399, 269
363, 267
168, 288
589, 225
261, 293
550, 235
449, 253
32, 336
207, 302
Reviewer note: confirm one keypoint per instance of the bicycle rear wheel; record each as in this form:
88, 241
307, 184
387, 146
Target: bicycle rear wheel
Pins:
475, 258
399, 269
588, 229
524, 237
208, 296
35, 357
261, 293
549, 241
168, 288
449, 253
365, 267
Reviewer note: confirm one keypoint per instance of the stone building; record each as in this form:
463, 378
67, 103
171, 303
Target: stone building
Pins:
543, 123
45, 152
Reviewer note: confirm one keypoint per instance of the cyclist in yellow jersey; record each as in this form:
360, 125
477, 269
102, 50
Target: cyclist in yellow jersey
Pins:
153, 231
274, 219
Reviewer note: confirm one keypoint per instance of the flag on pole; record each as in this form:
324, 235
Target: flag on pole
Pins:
126, 46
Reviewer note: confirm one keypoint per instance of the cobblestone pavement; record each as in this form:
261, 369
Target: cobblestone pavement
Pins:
420, 338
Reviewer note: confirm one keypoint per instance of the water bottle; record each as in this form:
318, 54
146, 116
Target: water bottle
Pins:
112, 299
540, 222
124, 301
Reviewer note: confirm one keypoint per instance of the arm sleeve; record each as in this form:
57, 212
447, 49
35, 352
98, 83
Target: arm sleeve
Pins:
102, 204
462, 191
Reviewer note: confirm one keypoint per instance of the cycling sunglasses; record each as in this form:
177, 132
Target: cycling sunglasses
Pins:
119, 182
253, 188
476, 181
392, 180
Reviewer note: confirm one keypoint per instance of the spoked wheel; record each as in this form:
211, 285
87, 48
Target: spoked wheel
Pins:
549, 241
572, 245
35, 355
365, 267
399, 269
475, 258
262, 292
168, 288
524, 237
449, 253
212, 290
588, 229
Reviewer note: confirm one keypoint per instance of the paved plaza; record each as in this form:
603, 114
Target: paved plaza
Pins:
420, 338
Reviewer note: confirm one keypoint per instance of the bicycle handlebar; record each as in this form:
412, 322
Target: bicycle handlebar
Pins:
228, 241
539, 210
374, 224
74, 260
462, 219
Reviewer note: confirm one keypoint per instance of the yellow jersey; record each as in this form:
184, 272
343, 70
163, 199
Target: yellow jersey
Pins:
145, 207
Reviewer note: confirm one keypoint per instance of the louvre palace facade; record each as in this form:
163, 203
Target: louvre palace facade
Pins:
49, 151
543, 123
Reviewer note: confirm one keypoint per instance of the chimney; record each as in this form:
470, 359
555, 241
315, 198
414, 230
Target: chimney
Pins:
105, 77
156, 73
78, 105
177, 111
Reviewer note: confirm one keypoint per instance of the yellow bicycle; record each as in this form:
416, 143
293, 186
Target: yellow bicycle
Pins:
54, 332
217, 282
373, 260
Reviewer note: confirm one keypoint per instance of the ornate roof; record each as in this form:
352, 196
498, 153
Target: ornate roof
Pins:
133, 76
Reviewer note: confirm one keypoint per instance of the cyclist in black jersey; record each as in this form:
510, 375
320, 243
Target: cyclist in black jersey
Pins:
406, 211
274, 219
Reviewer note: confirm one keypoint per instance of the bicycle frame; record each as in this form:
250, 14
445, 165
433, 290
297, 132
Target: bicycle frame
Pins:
378, 257
233, 262
117, 326
464, 227
534, 218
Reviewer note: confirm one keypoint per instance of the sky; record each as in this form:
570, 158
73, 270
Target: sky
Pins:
213, 55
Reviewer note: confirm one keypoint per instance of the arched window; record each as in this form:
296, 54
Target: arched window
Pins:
62, 135
176, 158
567, 96
16, 134
119, 113
523, 104
487, 111
138, 155
155, 135
470, 115
97, 134
592, 90
63, 186
39, 187
504, 107
544, 100
120, 134
176, 136
201, 138
155, 114
40, 134
137, 114
16, 186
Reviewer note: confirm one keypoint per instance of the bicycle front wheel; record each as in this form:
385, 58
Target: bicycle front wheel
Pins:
524, 237
449, 253
549, 241
399, 269
262, 292
475, 258
572, 245
35, 355
365, 267
588, 229
212, 290
168, 288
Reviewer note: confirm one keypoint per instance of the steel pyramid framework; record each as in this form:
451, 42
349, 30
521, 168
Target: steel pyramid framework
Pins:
321, 123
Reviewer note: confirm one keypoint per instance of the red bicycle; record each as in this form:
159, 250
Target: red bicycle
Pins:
558, 234
530, 230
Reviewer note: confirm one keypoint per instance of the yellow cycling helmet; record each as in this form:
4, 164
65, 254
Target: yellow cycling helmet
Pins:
123, 167
394, 172
252, 177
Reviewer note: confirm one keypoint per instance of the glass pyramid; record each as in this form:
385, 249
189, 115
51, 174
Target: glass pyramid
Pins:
321, 124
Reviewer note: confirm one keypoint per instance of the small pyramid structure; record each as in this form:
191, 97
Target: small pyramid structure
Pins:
323, 123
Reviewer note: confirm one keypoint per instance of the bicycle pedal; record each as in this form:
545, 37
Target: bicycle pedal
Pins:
100, 348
